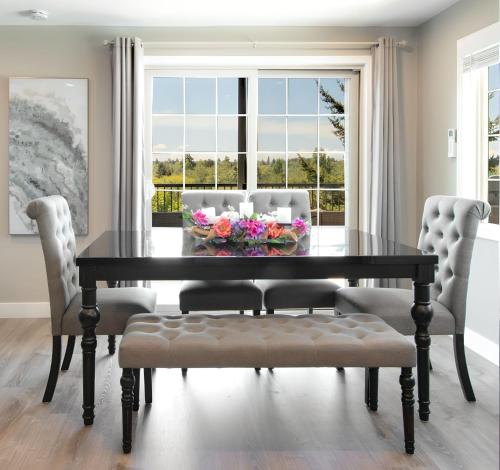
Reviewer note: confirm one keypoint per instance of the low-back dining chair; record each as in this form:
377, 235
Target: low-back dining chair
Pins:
300, 293
449, 228
53, 219
218, 295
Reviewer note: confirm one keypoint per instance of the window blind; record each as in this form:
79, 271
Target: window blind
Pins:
482, 58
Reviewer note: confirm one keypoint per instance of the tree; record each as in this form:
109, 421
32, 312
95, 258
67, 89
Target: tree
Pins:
335, 107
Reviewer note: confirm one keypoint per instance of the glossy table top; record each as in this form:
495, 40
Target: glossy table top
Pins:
324, 241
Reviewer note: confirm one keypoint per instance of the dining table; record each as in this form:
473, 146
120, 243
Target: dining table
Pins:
327, 252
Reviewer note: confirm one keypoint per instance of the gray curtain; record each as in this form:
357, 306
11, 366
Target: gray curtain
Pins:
129, 182
384, 177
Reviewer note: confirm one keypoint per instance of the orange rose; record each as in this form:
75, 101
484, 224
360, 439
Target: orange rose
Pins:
223, 227
274, 230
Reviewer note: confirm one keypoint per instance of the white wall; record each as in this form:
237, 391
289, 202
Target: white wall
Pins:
44, 51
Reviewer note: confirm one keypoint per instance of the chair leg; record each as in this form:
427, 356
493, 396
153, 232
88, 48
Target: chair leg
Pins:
461, 363
373, 388
311, 311
70, 346
242, 312
367, 386
407, 383
256, 313
430, 365
270, 311
127, 383
148, 386
184, 370
137, 386
54, 369
111, 344
185, 312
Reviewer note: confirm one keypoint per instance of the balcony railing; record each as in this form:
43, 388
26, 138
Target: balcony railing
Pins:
167, 201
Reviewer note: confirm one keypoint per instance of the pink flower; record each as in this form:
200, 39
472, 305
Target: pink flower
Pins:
253, 228
301, 226
200, 218
223, 227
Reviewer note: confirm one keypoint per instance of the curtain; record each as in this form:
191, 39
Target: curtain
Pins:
384, 170
131, 182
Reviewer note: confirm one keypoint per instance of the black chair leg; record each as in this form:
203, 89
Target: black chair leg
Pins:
311, 311
367, 386
148, 386
127, 383
461, 363
185, 312
373, 388
407, 383
256, 313
242, 312
430, 365
270, 311
184, 371
137, 386
54, 369
70, 346
111, 344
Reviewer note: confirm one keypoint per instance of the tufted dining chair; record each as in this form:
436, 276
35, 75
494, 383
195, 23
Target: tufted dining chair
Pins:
217, 295
300, 293
53, 219
449, 228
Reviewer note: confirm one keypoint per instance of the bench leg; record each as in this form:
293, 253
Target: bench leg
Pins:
373, 388
367, 386
407, 384
127, 383
137, 385
148, 386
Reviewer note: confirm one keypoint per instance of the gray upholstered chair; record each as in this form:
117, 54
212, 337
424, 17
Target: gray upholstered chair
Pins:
449, 228
300, 293
217, 295
59, 248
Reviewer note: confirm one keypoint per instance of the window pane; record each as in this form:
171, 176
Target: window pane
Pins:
302, 134
227, 95
494, 77
331, 170
302, 96
200, 95
228, 132
167, 133
271, 134
493, 157
271, 170
331, 133
302, 169
494, 112
200, 171
200, 133
272, 96
331, 93
493, 199
227, 170
332, 207
167, 168
167, 95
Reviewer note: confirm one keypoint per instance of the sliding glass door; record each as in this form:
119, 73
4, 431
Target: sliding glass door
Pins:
254, 129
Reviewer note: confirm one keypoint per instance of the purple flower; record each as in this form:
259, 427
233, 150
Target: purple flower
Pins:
253, 228
301, 226
200, 218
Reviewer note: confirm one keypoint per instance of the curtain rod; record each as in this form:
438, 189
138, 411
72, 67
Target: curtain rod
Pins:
261, 45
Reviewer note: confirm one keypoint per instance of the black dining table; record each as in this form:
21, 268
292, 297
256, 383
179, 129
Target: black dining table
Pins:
327, 252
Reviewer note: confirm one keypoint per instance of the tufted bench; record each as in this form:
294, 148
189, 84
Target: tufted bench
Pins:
357, 340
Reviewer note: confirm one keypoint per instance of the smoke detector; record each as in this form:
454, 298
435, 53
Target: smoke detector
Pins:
36, 15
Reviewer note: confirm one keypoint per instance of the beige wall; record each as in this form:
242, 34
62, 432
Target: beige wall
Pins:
437, 91
41, 51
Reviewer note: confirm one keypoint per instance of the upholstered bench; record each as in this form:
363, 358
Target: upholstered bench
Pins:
357, 340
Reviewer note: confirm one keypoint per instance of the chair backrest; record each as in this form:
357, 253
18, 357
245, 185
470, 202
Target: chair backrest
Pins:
53, 218
449, 228
267, 200
221, 200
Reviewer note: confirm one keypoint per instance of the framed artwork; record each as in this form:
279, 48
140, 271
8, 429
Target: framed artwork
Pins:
48, 148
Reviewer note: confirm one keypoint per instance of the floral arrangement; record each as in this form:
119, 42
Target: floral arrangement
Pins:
252, 230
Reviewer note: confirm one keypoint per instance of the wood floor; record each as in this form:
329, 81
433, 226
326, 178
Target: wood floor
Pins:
236, 419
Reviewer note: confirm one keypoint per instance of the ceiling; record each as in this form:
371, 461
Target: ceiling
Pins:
225, 12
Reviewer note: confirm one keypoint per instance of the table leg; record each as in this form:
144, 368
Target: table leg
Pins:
421, 312
89, 317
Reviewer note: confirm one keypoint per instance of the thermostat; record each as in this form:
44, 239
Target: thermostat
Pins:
452, 143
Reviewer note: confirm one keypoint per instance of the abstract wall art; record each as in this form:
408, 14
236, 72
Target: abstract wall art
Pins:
48, 147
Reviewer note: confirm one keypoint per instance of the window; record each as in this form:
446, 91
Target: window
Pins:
493, 140
254, 129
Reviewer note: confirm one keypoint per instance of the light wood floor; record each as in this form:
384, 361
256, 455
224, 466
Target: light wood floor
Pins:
236, 419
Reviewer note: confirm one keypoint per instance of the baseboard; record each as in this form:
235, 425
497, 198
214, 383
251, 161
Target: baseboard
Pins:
482, 346
25, 310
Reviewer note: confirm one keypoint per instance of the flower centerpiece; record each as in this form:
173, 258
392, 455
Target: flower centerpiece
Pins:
230, 227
